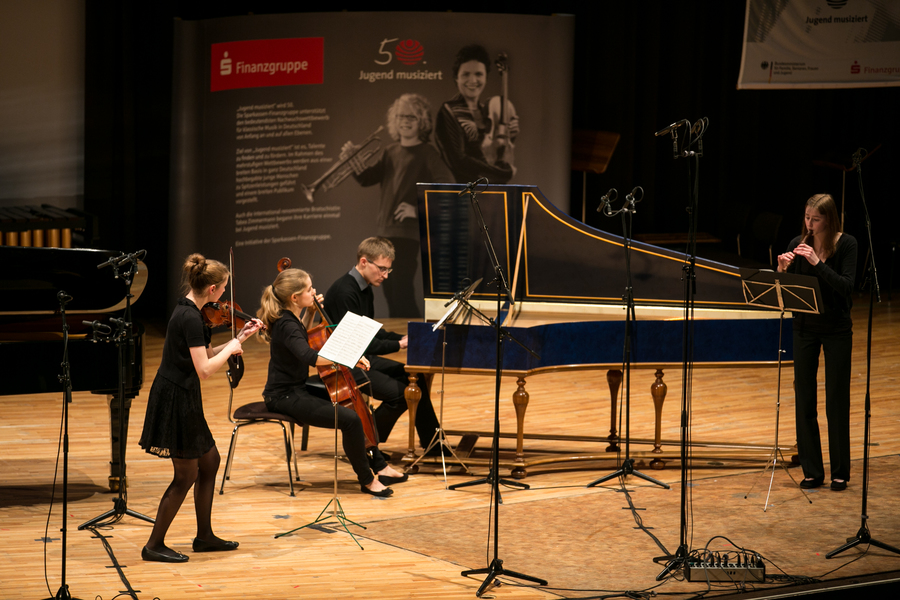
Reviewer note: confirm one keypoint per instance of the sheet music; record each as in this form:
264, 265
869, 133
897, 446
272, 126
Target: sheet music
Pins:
349, 340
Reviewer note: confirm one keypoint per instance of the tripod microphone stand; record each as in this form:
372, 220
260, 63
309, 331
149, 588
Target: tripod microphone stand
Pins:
495, 569
66, 379
863, 536
124, 340
678, 561
627, 467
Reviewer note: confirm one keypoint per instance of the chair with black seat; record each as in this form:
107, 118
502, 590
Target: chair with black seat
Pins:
759, 236
255, 413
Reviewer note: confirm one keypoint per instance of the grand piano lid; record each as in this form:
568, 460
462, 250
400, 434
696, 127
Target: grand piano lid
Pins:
32, 277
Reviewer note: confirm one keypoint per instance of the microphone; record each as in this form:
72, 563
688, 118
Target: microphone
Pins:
472, 185
129, 257
606, 199
630, 196
63, 297
465, 285
671, 128
98, 326
858, 156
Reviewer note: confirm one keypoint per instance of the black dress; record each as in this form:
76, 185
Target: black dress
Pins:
174, 425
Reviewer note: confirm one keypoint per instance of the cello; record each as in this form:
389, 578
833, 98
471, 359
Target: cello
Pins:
338, 379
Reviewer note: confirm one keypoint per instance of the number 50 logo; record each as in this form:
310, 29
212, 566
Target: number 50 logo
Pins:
408, 52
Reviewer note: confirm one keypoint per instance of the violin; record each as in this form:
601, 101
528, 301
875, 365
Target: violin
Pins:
338, 379
498, 145
228, 314
225, 314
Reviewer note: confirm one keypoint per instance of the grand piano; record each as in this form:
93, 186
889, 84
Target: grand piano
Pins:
31, 329
568, 282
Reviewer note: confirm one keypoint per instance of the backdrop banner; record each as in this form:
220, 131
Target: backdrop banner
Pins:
820, 44
264, 107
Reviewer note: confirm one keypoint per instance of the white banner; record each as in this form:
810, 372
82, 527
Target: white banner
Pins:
820, 44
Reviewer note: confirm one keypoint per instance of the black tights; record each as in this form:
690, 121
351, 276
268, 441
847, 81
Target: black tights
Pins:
197, 472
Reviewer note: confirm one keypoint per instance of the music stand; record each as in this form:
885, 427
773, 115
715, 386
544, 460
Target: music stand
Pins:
456, 312
783, 292
346, 347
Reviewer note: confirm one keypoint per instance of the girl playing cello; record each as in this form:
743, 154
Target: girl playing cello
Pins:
282, 309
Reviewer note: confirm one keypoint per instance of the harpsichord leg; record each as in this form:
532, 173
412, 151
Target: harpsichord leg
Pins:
520, 401
614, 379
658, 391
412, 394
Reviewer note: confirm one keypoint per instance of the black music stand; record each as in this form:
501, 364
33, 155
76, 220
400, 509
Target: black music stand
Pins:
457, 311
345, 347
783, 292
495, 569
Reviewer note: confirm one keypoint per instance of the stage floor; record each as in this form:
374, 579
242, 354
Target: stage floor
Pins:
586, 542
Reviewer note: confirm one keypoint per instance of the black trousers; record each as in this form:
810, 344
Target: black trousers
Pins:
838, 348
389, 379
319, 412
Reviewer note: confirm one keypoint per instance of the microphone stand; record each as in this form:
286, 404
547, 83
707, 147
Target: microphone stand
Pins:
678, 561
628, 209
495, 569
863, 536
66, 379
124, 340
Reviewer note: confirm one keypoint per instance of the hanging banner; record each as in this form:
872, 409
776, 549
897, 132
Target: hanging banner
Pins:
299, 135
820, 44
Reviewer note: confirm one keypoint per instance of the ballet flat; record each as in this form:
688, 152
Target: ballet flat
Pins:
154, 556
838, 486
388, 480
385, 493
221, 546
808, 484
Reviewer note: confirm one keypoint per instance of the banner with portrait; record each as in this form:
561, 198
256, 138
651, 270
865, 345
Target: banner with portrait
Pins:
820, 44
299, 135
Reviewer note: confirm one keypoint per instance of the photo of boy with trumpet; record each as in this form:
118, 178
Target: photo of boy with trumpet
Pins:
408, 160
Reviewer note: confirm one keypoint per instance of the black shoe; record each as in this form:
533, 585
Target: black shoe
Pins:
169, 556
217, 546
388, 480
838, 486
385, 493
810, 483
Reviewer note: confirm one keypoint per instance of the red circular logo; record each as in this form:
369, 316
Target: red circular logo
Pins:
409, 52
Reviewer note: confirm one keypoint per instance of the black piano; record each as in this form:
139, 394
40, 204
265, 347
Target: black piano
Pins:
568, 281
31, 328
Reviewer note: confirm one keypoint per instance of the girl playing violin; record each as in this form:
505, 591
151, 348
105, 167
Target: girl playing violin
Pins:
283, 310
174, 425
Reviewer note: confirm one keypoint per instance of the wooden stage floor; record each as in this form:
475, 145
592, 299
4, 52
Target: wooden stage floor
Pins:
586, 542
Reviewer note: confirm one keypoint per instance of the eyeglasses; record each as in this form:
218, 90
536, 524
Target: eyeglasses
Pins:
411, 118
384, 270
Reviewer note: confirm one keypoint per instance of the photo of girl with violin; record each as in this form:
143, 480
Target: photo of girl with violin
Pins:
174, 425
402, 164
475, 138
824, 251
286, 311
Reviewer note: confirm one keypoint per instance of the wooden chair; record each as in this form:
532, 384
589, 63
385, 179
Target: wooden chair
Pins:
256, 413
